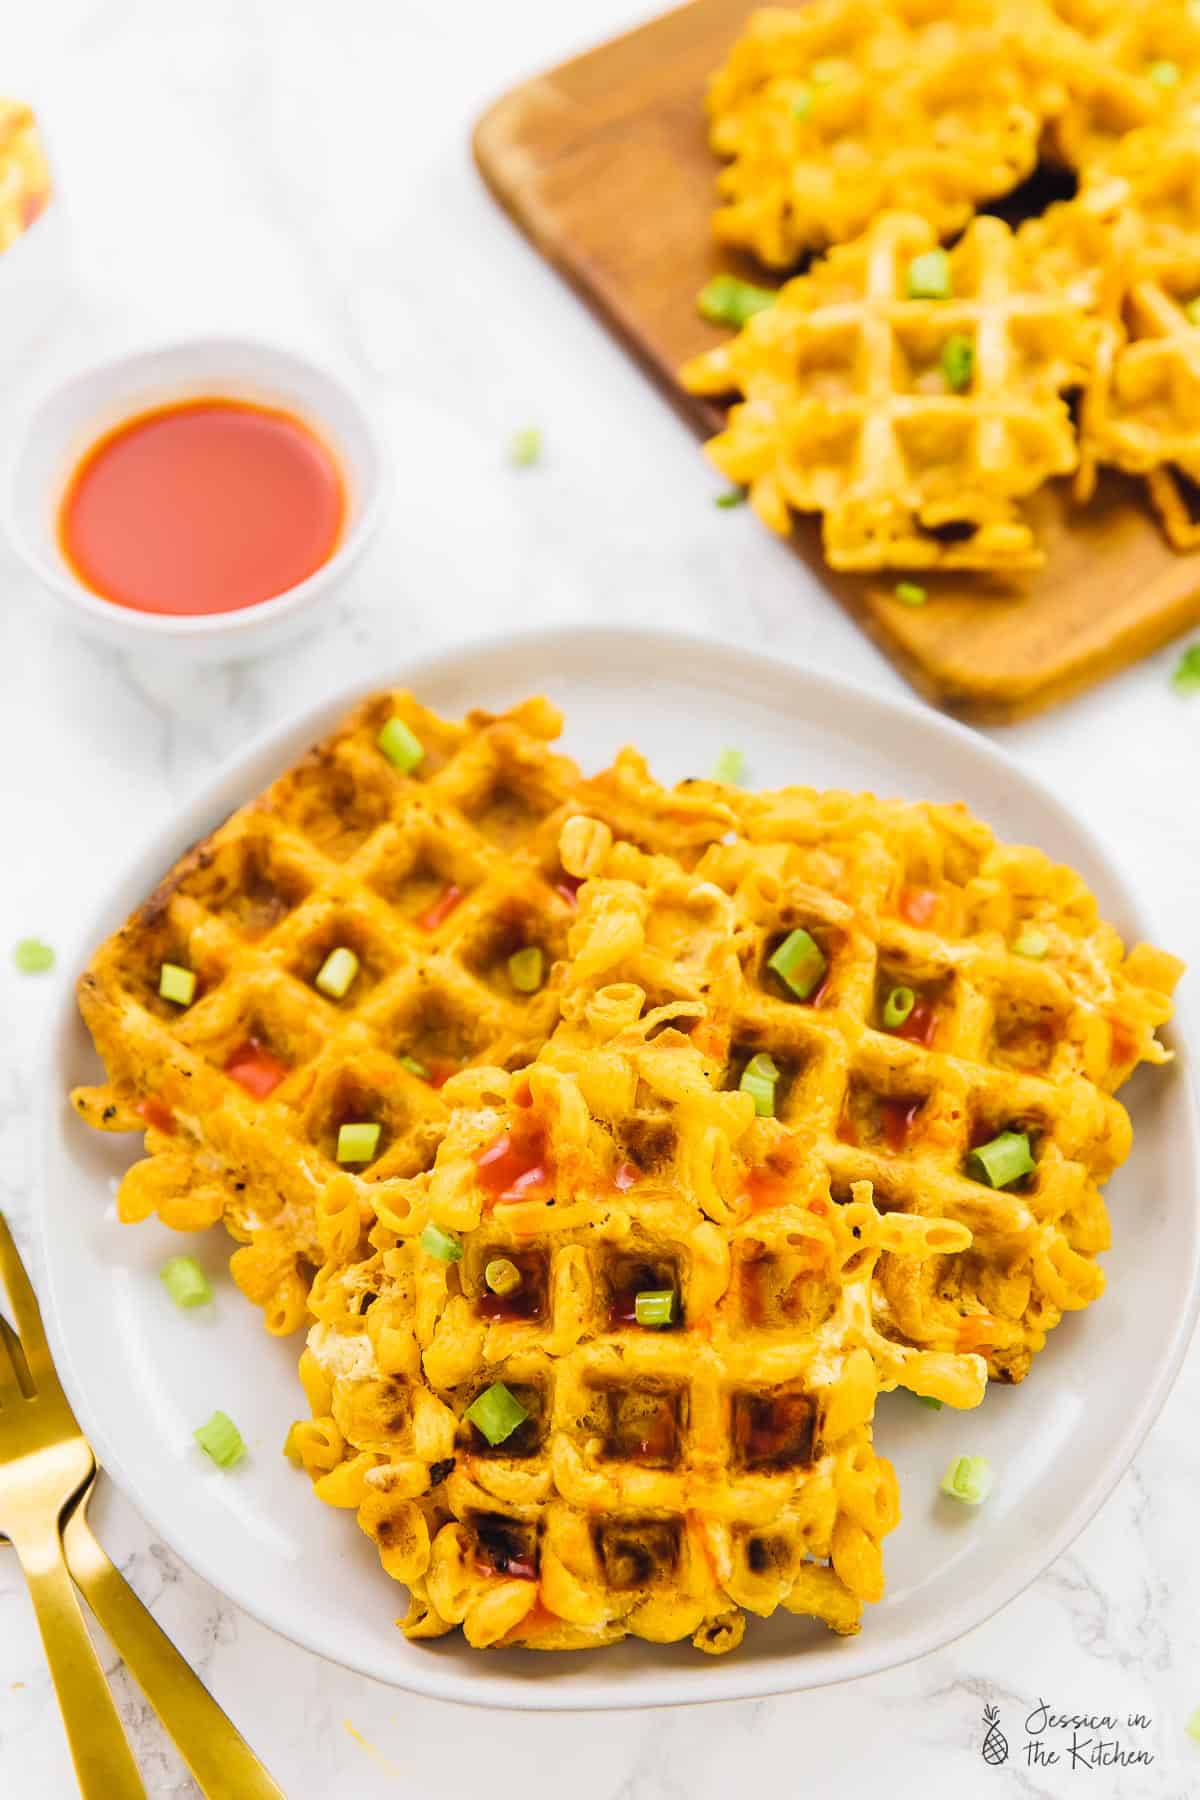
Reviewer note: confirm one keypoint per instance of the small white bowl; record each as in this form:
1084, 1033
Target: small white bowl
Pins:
68, 419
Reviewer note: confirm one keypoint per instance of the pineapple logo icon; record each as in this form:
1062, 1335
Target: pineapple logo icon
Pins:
995, 1744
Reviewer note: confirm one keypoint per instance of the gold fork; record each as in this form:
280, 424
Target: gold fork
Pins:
46, 1467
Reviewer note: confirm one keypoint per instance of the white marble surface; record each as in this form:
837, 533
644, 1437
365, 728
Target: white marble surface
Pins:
301, 170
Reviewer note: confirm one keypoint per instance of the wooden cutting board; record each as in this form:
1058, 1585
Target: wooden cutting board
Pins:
604, 164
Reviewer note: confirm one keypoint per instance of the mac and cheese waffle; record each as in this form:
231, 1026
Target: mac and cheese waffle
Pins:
658, 1474
431, 879
1121, 67
832, 114
919, 900
847, 408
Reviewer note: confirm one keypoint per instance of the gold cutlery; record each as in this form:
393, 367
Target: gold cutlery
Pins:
46, 1469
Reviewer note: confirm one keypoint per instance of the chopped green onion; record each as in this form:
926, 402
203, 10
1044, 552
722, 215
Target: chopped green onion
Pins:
185, 1281
654, 1309
337, 972
826, 70
1193, 1725
929, 276
928, 1400
1186, 679
800, 963
758, 1080
402, 747
968, 1478
730, 767
1031, 943
727, 301
526, 447
357, 1143
1164, 74
958, 362
802, 103
443, 1246
414, 1067
177, 984
502, 1277
911, 593
897, 1007
1004, 1160
735, 497
33, 957
527, 969
496, 1413
1191, 311
221, 1439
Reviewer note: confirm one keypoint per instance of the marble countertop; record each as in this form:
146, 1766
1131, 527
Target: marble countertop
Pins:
298, 170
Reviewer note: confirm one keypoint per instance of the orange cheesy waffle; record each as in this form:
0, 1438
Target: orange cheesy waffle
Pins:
833, 113
325, 960
583, 1388
952, 1033
291, 998
912, 396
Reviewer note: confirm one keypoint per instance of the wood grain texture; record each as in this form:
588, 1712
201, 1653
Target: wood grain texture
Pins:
604, 164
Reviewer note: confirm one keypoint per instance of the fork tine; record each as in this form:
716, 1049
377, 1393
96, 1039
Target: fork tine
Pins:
10, 1386
26, 1316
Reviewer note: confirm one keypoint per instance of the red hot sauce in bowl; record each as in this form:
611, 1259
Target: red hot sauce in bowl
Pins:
202, 506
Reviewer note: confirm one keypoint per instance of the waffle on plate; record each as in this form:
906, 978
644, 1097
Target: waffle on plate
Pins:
619, 1144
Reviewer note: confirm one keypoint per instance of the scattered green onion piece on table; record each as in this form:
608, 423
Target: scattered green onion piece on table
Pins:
1193, 1725
1031, 943
928, 1400
911, 593
655, 1308
502, 1276
800, 963
1186, 676
414, 1067
220, 1438
33, 957
402, 747
897, 1007
929, 276
969, 1479
185, 1281
337, 972
958, 362
496, 1413
526, 447
730, 767
1004, 1160
1191, 311
1164, 74
443, 1246
802, 103
527, 969
357, 1143
727, 301
735, 497
177, 984
758, 1080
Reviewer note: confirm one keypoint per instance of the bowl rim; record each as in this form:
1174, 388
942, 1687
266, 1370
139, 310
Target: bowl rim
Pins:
455, 1682
243, 620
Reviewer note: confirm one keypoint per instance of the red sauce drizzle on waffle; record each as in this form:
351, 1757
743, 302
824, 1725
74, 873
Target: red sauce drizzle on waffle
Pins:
514, 1166
440, 910
917, 904
254, 1068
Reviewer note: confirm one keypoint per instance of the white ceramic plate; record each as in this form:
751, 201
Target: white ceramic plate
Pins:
142, 1374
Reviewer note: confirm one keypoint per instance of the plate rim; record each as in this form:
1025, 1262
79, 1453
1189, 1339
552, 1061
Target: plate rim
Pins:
729, 1679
